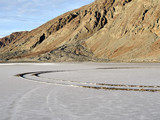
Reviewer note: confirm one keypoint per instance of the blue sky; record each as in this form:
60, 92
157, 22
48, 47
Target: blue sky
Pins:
21, 15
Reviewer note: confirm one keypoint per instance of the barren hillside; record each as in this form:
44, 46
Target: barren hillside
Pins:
105, 30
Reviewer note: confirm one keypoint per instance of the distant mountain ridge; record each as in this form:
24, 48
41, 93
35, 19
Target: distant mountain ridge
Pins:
105, 30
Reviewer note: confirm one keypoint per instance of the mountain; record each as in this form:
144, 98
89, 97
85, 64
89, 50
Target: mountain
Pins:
105, 30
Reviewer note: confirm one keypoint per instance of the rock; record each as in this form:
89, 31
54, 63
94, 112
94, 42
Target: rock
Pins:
105, 30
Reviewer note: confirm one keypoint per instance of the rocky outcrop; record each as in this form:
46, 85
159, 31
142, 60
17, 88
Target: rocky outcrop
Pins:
8, 39
105, 30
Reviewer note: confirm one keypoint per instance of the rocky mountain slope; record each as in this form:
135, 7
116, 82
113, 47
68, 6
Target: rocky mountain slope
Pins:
105, 30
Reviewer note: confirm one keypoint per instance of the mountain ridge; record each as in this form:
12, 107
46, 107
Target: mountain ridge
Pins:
105, 30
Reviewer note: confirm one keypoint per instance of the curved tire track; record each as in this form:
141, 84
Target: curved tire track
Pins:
35, 77
16, 103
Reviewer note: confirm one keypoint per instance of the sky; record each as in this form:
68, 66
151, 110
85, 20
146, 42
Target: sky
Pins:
21, 15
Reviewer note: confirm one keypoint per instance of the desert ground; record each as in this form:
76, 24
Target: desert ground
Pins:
79, 91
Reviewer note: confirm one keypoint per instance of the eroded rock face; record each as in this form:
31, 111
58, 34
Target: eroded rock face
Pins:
105, 30
8, 39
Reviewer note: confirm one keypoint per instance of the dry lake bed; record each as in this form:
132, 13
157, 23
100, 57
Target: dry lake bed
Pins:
80, 91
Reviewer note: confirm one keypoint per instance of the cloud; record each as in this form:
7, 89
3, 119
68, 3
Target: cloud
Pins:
36, 6
23, 10
28, 14
18, 18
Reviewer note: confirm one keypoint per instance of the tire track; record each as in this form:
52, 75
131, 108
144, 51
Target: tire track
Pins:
47, 102
35, 76
13, 107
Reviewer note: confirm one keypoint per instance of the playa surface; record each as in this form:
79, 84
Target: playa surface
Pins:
79, 91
